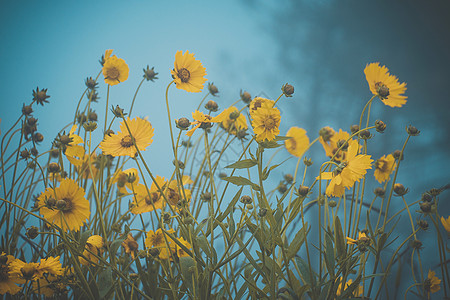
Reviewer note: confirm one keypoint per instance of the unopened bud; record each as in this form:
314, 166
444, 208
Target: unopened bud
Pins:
213, 90
246, 97
399, 189
287, 90
53, 167
303, 190
262, 212
27, 110
413, 131
288, 178
354, 128
183, 123
397, 154
326, 133
380, 126
212, 105
246, 199
32, 232
365, 134
379, 192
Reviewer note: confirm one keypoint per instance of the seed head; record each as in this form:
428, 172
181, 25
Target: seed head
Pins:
150, 74
90, 83
53, 167
399, 189
412, 131
245, 96
40, 96
379, 192
27, 110
354, 128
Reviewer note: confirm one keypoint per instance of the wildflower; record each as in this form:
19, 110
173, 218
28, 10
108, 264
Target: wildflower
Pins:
332, 141
31, 271
266, 122
73, 208
149, 200
432, 283
341, 288
8, 281
130, 245
122, 143
183, 123
260, 102
115, 70
92, 249
180, 252
107, 55
40, 96
173, 195
384, 85
188, 73
348, 172
399, 189
232, 121
298, 143
362, 242
211, 106
245, 96
446, 223
150, 74
384, 168
90, 83
201, 120
413, 131
156, 240
121, 179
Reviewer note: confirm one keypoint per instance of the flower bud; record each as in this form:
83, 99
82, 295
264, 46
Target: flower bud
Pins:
234, 115
92, 116
90, 83
245, 96
246, 199
31, 121
180, 163
288, 178
365, 134
413, 131
343, 144
53, 167
166, 217
150, 74
211, 105
90, 126
109, 132
434, 192
183, 123
397, 154
186, 144
118, 112
206, 196
242, 134
27, 110
354, 128
262, 212
54, 153
307, 161
32, 232
222, 175
416, 244
34, 151
426, 197
399, 189
51, 202
303, 190
92, 96
287, 90
249, 206
326, 133
61, 204
379, 192
3, 260
332, 203
38, 137
423, 224
282, 188
425, 207
81, 118
213, 90
154, 252
25, 154
380, 126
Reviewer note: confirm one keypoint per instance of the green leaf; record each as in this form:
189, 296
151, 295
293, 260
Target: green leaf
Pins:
282, 138
116, 244
105, 282
187, 265
297, 242
305, 272
339, 236
230, 206
239, 180
203, 244
83, 239
270, 144
329, 255
243, 164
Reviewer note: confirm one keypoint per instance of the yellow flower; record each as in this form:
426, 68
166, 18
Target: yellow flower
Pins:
361, 237
357, 292
108, 53
446, 223
9, 281
432, 283
384, 168
188, 73
121, 179
50, 265
115, 70
173, 191
93, 247
348, 172
266, 122
157, 240
121, 144
332, 141
130, 245
74, 152
260, 102
148, 200
32, 271
384, 85
69, 209
180, 251
298, 143
201, 120
232, 120
84, 169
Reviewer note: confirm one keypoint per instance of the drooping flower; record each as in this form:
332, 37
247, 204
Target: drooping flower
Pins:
149, 199
341, 288
348, 172
266, 123
174, 192
232, 120
92, 249
8, 281
122, 179
69, 208
115, 70
130, 245
298, 143
384, 168
446, 223
121, 144
432, 284
188, 73
385, 86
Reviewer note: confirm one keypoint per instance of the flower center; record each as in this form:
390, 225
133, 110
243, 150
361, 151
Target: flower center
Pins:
157, 239
381, 165
64, 204
382, 90
126, 141
293, 144
152, 199
269, 123
133, 245
28, 271
173, 197
184, 74
112, 73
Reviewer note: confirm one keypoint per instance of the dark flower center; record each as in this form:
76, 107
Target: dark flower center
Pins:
381, 165
112, 73
152, 199
133, 245
66, 206
126, 141
173, 197
184, 74
269, 123
382, 90
157, 239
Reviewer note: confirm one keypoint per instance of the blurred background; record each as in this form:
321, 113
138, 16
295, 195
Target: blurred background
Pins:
320, 47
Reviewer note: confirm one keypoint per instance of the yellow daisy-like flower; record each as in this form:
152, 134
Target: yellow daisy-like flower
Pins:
446, 223
50, 265
9, 281
180, 251
298, 143
201, 120
84, 169
121, 144
432, 283
348, 172
94, 246
188, 73
385, 86
68, 209
115, 70
332, 141
259, 102
121, 179
266, 123
150, 200
130, 245
232, 120
157, 240
174, 193
341, 288
384, 168
32, 271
